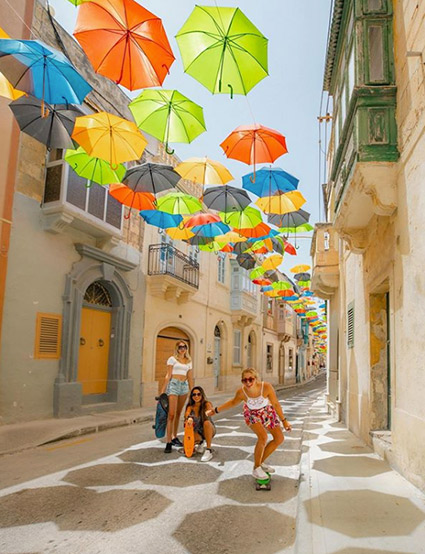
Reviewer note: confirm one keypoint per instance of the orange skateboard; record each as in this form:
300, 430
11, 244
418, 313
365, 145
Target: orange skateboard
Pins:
189, 440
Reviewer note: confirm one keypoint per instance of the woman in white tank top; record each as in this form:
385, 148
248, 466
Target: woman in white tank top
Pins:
262, 412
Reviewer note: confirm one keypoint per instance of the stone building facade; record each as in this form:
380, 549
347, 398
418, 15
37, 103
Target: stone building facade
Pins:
367, 258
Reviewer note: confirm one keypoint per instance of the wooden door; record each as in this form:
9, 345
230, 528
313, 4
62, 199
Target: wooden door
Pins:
165, 345
93, 361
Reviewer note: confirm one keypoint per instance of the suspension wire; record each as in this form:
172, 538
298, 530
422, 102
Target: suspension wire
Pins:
19, 17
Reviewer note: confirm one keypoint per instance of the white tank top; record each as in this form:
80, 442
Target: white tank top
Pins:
179, 368
258, 402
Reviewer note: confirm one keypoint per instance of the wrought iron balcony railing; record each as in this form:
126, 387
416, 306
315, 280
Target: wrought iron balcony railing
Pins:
164, 259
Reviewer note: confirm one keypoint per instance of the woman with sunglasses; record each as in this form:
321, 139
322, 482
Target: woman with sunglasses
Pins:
177, 383
203, 426
262, 412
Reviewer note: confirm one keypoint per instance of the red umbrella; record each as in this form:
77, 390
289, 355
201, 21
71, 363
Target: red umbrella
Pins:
201, 219
124, 42
289, 248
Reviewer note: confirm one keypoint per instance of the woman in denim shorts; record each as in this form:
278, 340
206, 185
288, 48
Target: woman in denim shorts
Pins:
177, 383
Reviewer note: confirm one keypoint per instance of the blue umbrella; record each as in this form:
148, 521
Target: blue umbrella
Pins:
42, 71
211, 229
269, 181
161, 219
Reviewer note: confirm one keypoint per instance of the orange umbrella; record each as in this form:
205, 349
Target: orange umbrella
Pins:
253, 144
260, 230
124, 42
127, 196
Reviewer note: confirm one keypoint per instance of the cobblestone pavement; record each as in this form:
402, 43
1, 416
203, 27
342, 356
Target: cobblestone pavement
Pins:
140, 500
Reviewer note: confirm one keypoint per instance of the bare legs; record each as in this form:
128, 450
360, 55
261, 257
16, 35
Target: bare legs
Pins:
263, 449
208, 433
175, 407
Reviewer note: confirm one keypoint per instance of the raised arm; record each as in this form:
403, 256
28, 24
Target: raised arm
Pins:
229, 404
271, 395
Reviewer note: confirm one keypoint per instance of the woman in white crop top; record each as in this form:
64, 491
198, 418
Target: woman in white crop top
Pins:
177, 384
262, 412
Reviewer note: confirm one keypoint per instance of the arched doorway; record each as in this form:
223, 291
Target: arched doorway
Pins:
94, 347
217, 356
165, 345
251, 350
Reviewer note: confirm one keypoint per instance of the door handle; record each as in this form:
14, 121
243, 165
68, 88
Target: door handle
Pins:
82, 341
100, 342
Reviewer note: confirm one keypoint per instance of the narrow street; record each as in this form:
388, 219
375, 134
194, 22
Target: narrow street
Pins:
128, 496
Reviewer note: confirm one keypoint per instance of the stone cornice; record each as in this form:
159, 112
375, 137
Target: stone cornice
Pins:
333, 43
102, 256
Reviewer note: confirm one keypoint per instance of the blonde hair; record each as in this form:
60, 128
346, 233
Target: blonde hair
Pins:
252, 371
176, 350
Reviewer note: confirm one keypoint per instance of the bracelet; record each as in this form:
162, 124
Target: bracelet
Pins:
216, 410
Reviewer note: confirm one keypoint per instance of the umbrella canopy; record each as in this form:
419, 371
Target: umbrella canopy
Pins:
246, 219
213, 246
6, 89
289, 248
201, 219
42, 71
204, 171
269, 181
94, 169
260, 231
302, 276
137, 200
272, 262
226, 199
211, 229
179, 233
304, 228
178, 203
241, 247
111, 138
151, 177
168, 115
201, 241
300, 268
281, 203
290, 219
231, 236
53, 127
257, 272
161, 219
78, 2
124, 42
246, 261
223, 50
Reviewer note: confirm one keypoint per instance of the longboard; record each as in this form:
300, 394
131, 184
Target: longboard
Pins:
263, 484
189, 440
161, 416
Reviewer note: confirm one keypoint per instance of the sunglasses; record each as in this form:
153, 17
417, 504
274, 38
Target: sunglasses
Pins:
196, 394
180, 346
248, 380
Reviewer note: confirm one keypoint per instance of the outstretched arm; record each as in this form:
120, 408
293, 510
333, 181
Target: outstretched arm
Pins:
229, 404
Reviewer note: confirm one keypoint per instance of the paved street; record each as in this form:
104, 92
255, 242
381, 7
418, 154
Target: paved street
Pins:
136, 499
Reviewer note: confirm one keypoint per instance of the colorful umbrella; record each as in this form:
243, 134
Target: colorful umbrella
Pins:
260, 231
211, 230
109, 137
231, 236
201, 241
281, 203
262, 282
246, 261
178, 203
137, 200
257, 272
212, 246
223, 50
269, 181
124, 42
300, 268
94, 170
204, 171
151, 177
53, 127
6, 88
272, 262
289, 220
302, 276
253, 144
42, 71
161, 219
226, 198
179, 233
201, 219
241, 247
168, 116
246, 219
304, 228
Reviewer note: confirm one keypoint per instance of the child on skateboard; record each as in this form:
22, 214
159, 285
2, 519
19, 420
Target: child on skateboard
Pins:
203, 425
177, 383
262, 413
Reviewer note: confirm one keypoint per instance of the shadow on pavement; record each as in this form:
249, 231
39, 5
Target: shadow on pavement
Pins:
214, 531
343, 434
242, 489
351, 466
369, 551
149, 455
281, 458
365, 513
75, 509
235, 440
345, 447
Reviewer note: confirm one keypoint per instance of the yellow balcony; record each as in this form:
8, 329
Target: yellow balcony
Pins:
324, 252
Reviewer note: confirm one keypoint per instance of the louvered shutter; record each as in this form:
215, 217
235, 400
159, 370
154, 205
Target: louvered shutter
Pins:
350, 326
48, 336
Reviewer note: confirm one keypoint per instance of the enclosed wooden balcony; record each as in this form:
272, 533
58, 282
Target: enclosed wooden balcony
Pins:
325, 256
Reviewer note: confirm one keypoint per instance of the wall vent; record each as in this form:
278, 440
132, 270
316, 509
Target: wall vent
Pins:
48, 336
350, 325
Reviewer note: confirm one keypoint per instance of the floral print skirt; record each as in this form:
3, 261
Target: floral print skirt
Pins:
267, 416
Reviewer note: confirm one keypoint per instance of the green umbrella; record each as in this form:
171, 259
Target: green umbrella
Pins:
245, 219
281, 285
257, 272
178, 203
168, 116
304, 228
94, 169
222, 49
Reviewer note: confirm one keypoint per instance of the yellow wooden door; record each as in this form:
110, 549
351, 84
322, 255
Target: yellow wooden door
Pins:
165, 345
94, 350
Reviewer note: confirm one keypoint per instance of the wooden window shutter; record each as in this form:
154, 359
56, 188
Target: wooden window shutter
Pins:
48, 336
350, 326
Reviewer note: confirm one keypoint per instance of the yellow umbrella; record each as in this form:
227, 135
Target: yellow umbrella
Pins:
109, 137
301, 268
272, 262
204, 171
181, 232
6, 88
272, 293
230, 236
281, 203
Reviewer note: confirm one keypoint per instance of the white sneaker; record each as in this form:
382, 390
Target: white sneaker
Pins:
259, 473
200, 447
207, 455
267, 469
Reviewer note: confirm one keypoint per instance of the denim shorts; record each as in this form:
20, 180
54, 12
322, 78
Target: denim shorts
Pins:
177, 387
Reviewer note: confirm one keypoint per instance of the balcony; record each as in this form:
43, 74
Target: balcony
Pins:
171, 274
243, 297
324, 252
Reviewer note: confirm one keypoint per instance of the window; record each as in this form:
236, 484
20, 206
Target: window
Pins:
290, 359
221, 275
269, 357
64, 185
281, 312
48, 336
270, 306
350, 325
247, 284
237, 347
194, 254
376, 54
351, 71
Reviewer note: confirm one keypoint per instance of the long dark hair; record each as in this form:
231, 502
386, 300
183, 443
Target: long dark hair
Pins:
204, 402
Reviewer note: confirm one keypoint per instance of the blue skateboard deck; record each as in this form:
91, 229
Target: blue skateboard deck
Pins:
161, 416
